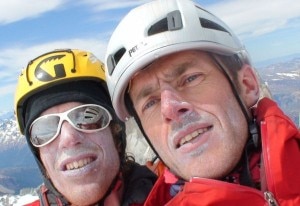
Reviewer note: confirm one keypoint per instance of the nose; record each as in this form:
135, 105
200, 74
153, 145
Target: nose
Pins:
69, 136
173, 107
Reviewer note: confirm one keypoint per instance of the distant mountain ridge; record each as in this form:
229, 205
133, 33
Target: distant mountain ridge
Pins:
283, 80
10, 137
18, 168
276, 60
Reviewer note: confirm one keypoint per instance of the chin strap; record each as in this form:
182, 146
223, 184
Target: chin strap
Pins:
130, 107
254, 133
253, 145
253, 142
234, 89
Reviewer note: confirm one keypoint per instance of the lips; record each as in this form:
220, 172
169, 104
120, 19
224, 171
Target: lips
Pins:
79, 164
189, 137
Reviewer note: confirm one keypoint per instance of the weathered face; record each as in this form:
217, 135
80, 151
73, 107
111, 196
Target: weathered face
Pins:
81, 165
190, 115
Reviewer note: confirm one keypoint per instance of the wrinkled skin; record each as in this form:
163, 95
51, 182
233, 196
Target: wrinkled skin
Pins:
190, 115
95, 152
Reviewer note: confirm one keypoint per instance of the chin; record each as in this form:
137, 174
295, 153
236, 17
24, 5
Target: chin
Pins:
86, 195
84, 200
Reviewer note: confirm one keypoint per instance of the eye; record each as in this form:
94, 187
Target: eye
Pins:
150, 103
192, 79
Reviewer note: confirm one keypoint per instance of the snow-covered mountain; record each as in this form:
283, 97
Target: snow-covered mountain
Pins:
289, 70
17, 200
283, 80
9, 133
18, 169
6, 115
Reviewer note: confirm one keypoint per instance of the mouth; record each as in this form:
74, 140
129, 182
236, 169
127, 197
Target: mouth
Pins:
190, 137
79, 164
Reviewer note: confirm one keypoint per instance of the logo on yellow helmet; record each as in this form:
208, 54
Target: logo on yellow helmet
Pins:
54, 67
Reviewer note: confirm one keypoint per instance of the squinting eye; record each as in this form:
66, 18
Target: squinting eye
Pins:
191, 78
150, 104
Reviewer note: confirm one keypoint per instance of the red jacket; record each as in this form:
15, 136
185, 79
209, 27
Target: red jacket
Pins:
280, 171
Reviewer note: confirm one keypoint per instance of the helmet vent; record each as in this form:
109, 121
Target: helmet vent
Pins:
205, 23
113, 60
172, 22
159, 27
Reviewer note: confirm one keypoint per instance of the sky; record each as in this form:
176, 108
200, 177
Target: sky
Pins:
270, 29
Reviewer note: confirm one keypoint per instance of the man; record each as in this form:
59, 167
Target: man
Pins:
63, 108
188, 82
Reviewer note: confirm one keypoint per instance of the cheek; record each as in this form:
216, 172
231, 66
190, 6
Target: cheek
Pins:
102, 137
48, 158
111, 158
152, 126
157, 134
104, 140
150, 119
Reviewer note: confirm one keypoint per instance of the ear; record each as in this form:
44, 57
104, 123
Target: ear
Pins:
249, 85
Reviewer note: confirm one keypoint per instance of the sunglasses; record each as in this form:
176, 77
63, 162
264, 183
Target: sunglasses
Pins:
86, 118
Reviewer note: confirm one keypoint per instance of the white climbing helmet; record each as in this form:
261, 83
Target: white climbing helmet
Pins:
159, 28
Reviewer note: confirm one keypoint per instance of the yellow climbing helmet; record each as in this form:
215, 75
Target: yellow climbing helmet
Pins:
51, 69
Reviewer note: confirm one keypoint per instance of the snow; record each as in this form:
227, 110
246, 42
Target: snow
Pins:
288, 75
25, 199
17, 200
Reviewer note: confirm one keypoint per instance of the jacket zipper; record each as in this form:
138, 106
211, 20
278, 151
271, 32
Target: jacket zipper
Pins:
269, 196
270, 199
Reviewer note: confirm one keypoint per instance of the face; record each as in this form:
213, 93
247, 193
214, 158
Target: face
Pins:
190, 115
81, 165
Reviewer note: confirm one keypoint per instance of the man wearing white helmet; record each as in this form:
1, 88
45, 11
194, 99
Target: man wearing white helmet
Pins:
188, 81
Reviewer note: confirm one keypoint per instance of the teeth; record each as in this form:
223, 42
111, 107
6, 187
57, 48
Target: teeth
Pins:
78, 164
189, 137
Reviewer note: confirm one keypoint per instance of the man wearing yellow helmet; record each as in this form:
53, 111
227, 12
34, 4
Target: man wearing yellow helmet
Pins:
188, 81
63, 108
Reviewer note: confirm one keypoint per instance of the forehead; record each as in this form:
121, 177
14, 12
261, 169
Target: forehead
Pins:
172, 65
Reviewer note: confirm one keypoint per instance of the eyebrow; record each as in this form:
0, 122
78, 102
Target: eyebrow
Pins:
179, 70
144, 92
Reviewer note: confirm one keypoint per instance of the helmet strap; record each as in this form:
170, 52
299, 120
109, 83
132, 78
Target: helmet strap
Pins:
252, 126
132, 111
253, 141
233, 86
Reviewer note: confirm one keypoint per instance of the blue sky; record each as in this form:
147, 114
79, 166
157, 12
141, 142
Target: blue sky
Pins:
269, 29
